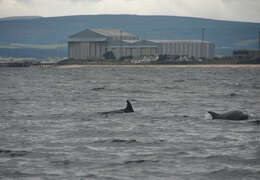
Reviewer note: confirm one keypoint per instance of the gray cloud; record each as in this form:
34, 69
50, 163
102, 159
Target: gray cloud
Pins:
35, 1
238, 10
24, 1
85, 0
241, 1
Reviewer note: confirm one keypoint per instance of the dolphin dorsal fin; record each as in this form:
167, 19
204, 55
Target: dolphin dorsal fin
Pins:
213, 114
129, 107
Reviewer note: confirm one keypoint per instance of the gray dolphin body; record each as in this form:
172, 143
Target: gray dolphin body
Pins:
232, 115
128, 109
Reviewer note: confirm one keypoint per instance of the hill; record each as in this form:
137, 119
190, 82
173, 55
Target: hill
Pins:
19, 18
226, 35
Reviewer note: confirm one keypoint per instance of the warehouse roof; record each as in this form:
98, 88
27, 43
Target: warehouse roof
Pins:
113, 32
99, 35
131, 43
180, 41
87, 35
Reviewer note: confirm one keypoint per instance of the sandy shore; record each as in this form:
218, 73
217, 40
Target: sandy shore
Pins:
168, 65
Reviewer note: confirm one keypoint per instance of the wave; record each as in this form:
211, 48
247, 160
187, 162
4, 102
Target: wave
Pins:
233, 160
129, 141
124, 141
13, 153
233, 173
141, 161
15, 174
221, 138
98, 88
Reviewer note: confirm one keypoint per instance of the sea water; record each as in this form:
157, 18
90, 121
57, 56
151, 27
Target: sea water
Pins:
51, 128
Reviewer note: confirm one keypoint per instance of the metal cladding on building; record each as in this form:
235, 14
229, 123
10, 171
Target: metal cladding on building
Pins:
134, 48
190, 48
94, 43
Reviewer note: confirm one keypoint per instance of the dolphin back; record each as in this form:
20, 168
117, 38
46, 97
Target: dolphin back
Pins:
231, 115
235, 115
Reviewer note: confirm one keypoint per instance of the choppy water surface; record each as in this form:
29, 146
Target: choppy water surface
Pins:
50, 127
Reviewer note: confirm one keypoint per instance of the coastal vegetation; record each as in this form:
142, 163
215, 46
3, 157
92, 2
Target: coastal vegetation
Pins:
164, 59
109, 55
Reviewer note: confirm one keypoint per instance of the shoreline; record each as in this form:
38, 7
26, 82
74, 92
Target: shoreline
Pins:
162, 65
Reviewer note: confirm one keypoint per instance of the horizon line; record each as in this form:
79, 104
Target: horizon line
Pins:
126, 14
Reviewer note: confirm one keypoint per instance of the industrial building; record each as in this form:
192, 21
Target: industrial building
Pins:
133, 48
246, 54
189, 48
94, 43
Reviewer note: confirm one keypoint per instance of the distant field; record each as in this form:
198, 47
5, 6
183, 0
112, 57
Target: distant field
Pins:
33, 46
38, 51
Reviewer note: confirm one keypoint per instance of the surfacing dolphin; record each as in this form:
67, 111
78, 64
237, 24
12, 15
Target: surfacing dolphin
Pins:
232, 115
128, 109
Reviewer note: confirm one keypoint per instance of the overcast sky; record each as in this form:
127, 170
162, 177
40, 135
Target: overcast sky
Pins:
237, 10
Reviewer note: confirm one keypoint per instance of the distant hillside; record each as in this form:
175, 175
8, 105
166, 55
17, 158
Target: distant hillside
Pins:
19, 18
226, 35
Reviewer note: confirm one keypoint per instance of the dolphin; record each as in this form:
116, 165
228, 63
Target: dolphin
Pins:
231, 115
127, 109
